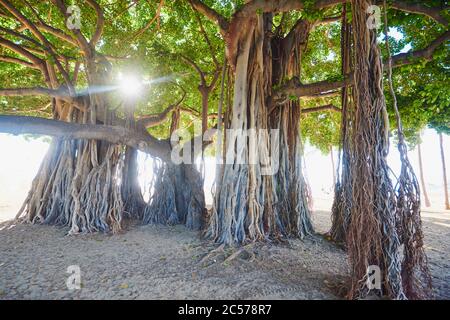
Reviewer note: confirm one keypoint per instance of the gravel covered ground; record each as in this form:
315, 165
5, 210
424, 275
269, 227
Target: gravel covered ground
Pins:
155, 262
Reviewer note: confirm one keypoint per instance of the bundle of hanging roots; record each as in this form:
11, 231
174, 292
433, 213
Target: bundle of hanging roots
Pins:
383, 219
415, 274
340, 212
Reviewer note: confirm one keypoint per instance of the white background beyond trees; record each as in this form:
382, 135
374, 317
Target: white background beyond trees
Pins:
20, 160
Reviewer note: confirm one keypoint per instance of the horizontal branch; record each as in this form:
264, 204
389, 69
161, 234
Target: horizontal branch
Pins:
325, 95
330, 107
196, 113
65, 130
153, 120
254, 6
36, 91
426, 53
156, 119
419, 8
18, 61
295, 88
327, 20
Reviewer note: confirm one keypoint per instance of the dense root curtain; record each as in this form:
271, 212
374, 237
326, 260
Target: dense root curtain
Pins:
133, 200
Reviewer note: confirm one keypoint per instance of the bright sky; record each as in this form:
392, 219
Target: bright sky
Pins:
20, 160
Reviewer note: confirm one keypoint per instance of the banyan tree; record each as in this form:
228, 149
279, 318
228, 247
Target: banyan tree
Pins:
257, 81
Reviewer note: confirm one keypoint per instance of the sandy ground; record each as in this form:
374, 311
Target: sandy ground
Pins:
156, 262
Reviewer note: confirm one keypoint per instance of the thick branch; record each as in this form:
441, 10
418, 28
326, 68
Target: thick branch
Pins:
208, 42
156, 119
20, 50
82, 42
196, 113
34, 30
65, 130
155, 18
196, 67
295, 88
254, 6
37, 91
330, 107
329, 94
100, 22
18, 61
57, 33
20, 35
426, 53
419, 8
327, 20
212, 15
42, 25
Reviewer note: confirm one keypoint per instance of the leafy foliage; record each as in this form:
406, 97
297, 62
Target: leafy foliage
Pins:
152, 36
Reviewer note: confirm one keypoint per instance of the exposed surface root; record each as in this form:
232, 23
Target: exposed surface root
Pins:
219, 249
226, 254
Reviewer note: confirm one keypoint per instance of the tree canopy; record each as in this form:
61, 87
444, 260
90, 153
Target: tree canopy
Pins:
172, 45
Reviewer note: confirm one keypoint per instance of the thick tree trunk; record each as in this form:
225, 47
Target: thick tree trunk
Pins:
243, 205
177, 196
444, 171
291, 198
384, 234
422, 178
262, 193
78, 184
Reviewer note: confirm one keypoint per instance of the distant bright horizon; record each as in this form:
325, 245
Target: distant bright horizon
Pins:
21, 158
